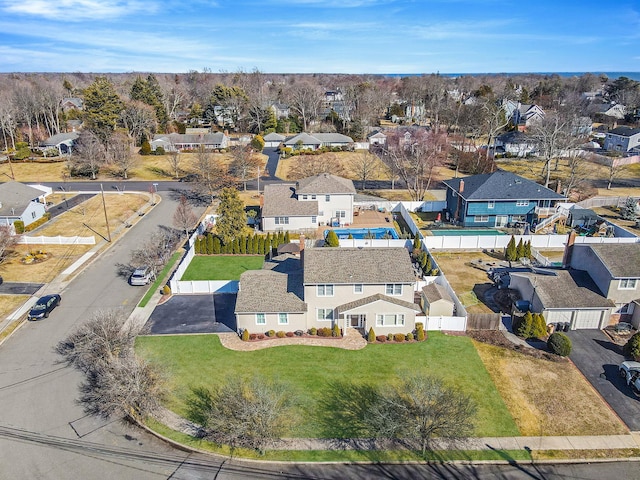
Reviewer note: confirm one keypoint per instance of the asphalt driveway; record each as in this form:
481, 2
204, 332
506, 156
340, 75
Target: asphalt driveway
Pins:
181, 314
20, 288
598, 358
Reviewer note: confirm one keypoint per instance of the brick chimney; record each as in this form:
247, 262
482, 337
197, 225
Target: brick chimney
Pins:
461, 186
568, 250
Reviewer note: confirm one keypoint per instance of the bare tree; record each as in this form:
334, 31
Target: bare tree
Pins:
244, 164
550, 134
89, 154
494, 121
212, 174
614, 170
366, 166
139, 119
304, 99
420, 409
156, 250
8, 122
173, 158
241, 413
120, 154
184, 218
308, 165
8, 240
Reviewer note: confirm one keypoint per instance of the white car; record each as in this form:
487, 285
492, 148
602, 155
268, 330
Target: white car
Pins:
141, 276
629, 371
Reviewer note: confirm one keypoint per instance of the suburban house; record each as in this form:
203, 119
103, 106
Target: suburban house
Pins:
516, 144
351, 287
564, 296
273, 139
323, 199
306, 141
71, 103
63, 142
21, 202
280, 110
522, 115
377, 138
615, 269
182, 141
612, 110
623, 139
498, 199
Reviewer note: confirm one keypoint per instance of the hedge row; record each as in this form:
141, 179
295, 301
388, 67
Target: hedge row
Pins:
210, 244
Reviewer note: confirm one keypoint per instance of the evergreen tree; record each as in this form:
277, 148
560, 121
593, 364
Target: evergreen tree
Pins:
371, 336
145, 148
331, 240
242, 245
250, 244
149, 92
102, 107
211, 244
255, 247
511, 252
628, 211
216, 246
231, 216
198, 245
417, 244
267, 244
525, 327
520, 250
527, 249
287, 237
260, 249
539, 328
271, 122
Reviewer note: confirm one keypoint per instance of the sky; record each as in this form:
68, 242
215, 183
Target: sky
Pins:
320, 36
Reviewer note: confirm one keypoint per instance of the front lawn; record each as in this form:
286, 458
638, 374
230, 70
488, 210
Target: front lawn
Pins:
221, 267
318, 376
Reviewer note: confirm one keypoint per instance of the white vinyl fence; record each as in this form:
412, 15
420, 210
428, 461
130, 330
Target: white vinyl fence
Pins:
195, 287
59, 240
488, 242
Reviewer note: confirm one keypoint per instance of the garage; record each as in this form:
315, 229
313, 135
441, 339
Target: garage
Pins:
588, 319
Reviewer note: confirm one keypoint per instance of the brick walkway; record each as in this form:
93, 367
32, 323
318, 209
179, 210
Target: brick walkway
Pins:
351, 341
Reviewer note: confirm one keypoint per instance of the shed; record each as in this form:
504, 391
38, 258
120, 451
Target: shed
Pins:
582, 217
436, 301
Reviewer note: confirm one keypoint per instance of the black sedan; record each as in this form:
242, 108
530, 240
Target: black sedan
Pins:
43, 306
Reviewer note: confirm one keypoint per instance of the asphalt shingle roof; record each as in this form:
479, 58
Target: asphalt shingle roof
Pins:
305, 138
15, 196
325, 183
268, 291
274, 137
280, 200
375, 298
568, 289
621, 259
205, 139
501, 185
625, 131
434, 292
59, 138
357, 265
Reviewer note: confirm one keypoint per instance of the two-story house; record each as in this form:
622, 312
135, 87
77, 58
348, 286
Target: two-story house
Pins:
323, 199
615, 269
351, 287
498, 199
623, 139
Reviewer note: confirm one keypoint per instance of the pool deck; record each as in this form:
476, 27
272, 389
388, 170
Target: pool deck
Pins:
366, 219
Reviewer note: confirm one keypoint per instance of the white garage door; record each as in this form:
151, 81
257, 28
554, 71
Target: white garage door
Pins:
588, 319
555, 316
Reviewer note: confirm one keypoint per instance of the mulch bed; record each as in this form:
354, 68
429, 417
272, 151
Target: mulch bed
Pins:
497, 339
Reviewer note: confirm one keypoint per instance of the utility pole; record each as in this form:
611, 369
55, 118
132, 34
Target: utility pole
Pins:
106, 219
258, 180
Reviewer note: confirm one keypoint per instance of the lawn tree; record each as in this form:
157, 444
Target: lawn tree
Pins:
212, 175
8, 122
89, 154
7, 241
303, 166
173, 158
232, 100
419, 408
102, 108
156, 250
139, 120
366, 166
116, 382
614, 170
184, 218
257, 99
231, 215
414, 154
305, 99
629, 210
244, 165
494, 121
149, 92
242, 413
120, 154
578, 173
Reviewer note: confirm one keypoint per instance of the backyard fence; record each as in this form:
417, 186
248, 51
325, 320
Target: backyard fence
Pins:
483, 321
202, 287
59, 240
488, 242
605, 202
451, 324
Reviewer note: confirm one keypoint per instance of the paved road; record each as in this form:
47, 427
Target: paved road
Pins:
598, 359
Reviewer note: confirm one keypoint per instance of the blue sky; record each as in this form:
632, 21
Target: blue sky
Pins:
328, 36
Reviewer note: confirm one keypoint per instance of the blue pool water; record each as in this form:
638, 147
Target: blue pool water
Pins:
360, 233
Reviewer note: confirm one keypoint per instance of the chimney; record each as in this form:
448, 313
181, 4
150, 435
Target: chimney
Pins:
568, 250
559, 187
461, 185
302, 242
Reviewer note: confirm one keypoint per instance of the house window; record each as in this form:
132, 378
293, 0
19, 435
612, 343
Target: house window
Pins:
394, 289
314, 219
324, 314
33, 214
357, 288
491, 204
481, 218
390, 320
627, 284
283, 319
522, 203
282, 220
313, 197
327, 198
261, 319
325, 290
304, 197
341, 213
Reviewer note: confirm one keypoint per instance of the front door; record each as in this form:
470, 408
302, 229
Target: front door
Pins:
356, 321
502, 220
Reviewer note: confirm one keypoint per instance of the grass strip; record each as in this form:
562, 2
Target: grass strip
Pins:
160, 278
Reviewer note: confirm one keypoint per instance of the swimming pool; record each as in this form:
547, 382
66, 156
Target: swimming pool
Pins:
360, 233
463, 232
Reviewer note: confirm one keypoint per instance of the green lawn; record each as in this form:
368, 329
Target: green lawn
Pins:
221, 267
316, 376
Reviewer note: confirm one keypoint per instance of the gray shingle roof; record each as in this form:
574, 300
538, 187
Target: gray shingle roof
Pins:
325, 183
59, 138
318, 139
15, 196
501, 185
568, 289
434, 292
333, 138
621, 259
206, 139
375, 298
357, 265
274, 137
268, 291
305, 138
625, 131
515, 137
280, 200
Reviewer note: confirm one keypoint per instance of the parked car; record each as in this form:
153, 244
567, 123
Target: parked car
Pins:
43, 306
141, 276
629, 371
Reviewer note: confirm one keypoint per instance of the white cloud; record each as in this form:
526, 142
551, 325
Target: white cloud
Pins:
76, 10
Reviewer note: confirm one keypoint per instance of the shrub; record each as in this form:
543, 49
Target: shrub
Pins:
399, 337
409, 336
336, 331
290, 334
313, 331
331, 239
325, 332
299, 333
381, 338
19, 226
421, 336
281, 334
245, 335
419, 326
524, 326
539, 327
632, 347
271, 333
371, 336
145, 148
389, 336
253, 336
559, 344
159, 151
166, 290
261, 336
